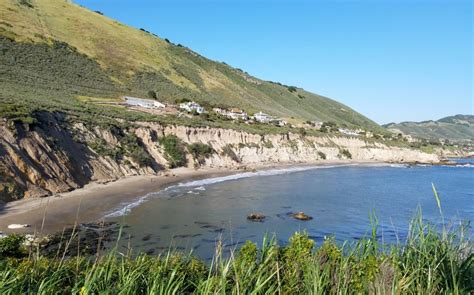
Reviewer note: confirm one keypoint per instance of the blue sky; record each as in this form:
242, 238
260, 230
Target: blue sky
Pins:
392, 60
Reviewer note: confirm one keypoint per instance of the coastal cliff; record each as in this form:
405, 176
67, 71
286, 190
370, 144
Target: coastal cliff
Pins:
54, 155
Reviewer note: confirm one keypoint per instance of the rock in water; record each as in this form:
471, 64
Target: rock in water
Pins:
302, 216
16, 226
256, 217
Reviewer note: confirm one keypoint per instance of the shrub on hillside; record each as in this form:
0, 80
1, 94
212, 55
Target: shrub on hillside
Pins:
17, 113
229, 152
174, 150
345, 153
141, 157
152, 94
292, 89
26, 3
322, 155
302, 131
11, 246
182, 100
268, 144
102, 149
200, 152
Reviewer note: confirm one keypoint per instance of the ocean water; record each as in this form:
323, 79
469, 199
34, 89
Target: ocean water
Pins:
341, 200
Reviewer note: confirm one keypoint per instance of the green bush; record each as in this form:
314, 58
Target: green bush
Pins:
295, 257
322, 155
268, 144
182, 100
18, 113
229, 152
291, 88
152, 94
248, 253
11, 246
174, 150
345, 153
102, 149
141, 157
26, 3
302, 131
200, 152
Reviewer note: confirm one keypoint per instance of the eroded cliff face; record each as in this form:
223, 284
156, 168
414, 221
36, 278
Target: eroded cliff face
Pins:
54, 155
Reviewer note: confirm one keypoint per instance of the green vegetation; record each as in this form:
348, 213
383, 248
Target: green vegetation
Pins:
291, 88
322, 155
174, 150
268, 144
344, 153
229, 152
429, 262
57, 51
26, 3
152, 94
12, 246
130, 146
200, 152
102, 149
328, 127
141, 157
17, 114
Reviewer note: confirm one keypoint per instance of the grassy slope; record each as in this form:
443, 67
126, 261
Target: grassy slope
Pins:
457, 128
135, 62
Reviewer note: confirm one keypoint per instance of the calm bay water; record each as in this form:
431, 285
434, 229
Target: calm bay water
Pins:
340, 199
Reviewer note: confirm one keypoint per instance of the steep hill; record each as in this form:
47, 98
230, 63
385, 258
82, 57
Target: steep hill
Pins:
455, 128
52, 51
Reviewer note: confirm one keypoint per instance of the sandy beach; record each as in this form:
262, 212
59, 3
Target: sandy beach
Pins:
92, 202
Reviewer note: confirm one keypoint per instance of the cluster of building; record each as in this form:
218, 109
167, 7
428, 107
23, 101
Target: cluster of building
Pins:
233, 113
191, 107
154, 104
238, 114
265, 118
346, 131
194, 107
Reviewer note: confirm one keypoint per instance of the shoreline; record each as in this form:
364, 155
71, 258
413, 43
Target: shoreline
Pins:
94, 201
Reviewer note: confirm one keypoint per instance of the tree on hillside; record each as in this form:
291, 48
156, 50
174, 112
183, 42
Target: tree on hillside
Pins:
152, 94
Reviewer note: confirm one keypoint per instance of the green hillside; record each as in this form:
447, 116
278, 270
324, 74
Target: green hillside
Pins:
455, 128
52, 51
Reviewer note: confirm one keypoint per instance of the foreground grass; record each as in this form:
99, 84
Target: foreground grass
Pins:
428, 262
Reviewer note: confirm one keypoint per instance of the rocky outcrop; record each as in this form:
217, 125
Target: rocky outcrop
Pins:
54, 155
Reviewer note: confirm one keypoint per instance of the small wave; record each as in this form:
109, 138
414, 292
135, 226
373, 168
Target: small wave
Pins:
271, 172
200, 188
126, 208
398, 165
468, 165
